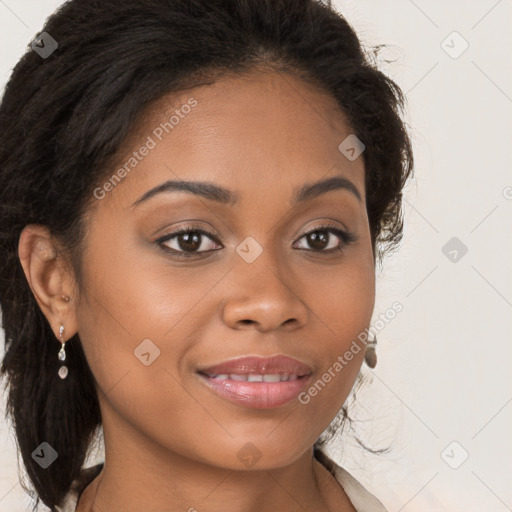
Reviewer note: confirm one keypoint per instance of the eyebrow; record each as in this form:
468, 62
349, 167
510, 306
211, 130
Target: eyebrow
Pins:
225, 196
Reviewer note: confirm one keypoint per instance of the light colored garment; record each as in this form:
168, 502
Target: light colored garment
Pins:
362, 499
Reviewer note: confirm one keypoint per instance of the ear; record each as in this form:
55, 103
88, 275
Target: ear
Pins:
49, 277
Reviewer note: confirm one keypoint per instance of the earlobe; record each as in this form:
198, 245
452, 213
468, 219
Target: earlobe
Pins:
48, 276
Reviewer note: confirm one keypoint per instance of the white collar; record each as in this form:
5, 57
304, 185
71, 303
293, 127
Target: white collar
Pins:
361, 498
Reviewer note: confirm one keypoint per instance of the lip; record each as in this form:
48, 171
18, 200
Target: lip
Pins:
261, 365
258, 395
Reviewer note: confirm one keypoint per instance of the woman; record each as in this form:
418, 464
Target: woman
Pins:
194, 195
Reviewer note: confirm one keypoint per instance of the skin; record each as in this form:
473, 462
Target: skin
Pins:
170, 442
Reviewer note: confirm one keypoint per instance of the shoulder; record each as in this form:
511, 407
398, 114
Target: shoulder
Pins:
362, 499
70, 501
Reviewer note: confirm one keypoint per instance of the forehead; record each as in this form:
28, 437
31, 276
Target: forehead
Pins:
242, 132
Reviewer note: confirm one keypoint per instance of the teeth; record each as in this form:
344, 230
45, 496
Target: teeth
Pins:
256, 377
271, 378
234, 376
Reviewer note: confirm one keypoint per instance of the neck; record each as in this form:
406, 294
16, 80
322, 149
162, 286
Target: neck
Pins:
139, 475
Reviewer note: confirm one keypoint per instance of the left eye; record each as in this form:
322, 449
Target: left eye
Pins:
321, 236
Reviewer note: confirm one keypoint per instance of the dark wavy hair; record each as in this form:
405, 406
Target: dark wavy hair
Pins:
64, 118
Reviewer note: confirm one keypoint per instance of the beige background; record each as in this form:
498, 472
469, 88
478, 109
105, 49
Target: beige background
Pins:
443, 384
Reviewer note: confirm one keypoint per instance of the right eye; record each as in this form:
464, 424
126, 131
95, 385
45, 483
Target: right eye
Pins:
187, 241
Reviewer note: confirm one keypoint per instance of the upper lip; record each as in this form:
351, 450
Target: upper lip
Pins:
279, 364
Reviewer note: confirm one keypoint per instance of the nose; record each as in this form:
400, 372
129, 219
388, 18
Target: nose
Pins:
264, 297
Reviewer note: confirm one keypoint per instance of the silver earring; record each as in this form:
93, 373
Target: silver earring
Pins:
370, 356
63, 370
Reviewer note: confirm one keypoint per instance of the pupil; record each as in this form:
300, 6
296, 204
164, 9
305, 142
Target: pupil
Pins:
314, 238
191, 242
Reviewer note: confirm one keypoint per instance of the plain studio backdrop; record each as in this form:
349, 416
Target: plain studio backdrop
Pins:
441, 394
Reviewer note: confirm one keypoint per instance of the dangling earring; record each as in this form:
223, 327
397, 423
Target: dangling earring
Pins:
370, 356
63, 370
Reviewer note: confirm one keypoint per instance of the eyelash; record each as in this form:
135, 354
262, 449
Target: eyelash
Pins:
347, 238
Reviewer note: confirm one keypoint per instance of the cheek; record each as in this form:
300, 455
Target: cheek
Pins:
136, 323
343, 303
135, 334
342, 297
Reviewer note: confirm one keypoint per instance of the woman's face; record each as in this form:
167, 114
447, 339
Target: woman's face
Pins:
158, 313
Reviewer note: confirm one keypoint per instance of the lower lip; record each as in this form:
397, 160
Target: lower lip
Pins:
257, 395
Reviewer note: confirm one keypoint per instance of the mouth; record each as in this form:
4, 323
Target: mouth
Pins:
256, 377
258, 366
257, 382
